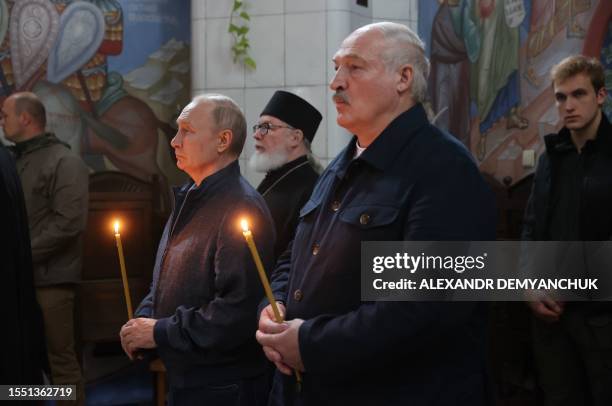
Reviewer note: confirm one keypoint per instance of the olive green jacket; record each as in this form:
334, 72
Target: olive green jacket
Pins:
55, 186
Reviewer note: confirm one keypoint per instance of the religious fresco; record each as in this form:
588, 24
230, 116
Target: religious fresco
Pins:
112, 74
490, 61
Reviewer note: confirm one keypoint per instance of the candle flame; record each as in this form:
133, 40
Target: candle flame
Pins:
245, 225
116, 226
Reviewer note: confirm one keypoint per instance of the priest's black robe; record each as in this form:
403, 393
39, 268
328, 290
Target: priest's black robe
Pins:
285, 191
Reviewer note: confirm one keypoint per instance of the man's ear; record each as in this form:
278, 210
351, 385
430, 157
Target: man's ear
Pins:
297, 136
601, 95
24, 118
406, 77
224, 140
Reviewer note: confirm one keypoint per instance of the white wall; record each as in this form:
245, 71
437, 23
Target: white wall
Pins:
292, 42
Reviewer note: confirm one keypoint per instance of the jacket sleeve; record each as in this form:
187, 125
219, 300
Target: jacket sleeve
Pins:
69, 206
280, 276
145, 309
230, 319
528, 232
528, 254
279, 279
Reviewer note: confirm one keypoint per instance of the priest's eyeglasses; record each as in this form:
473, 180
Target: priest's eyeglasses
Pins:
264, 128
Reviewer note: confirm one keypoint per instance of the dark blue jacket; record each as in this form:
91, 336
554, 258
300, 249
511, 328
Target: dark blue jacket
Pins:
595, 212
205, 287
414, 182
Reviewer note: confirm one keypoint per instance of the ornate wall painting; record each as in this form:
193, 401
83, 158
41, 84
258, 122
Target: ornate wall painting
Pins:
489, 83
81, 32
91, 61
34, 26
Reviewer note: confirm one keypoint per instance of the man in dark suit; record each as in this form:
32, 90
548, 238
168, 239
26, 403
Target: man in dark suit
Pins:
399, 178
283, 135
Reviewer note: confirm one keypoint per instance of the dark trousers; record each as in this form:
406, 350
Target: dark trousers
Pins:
245, 392
574, 357
57, 305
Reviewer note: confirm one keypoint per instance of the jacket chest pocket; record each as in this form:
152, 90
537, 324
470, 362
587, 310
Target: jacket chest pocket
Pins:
307, 218
378, 221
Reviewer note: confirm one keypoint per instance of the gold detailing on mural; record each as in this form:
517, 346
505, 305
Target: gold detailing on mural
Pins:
95, 79
563, 17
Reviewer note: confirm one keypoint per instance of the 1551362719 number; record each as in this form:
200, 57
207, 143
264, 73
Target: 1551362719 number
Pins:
37, 392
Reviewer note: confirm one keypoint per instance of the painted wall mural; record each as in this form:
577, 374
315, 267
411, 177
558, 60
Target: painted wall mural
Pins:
490, 63
112, 74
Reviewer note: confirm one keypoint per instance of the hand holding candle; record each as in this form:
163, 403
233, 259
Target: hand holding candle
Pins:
126, 288
248, 236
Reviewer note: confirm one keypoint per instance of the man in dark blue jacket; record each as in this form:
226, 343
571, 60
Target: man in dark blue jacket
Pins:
201, 312
399, 178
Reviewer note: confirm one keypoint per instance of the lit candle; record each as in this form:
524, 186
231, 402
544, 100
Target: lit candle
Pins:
248, 236
126, 287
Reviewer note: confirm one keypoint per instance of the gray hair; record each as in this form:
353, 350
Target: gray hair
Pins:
314, 162
226, 114
405, 47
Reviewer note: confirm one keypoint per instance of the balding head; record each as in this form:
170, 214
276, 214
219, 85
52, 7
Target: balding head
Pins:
29, 103
225, 115
23, 116
211, 134
404, 47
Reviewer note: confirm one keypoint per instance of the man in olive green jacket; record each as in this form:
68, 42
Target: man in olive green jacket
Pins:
55, 186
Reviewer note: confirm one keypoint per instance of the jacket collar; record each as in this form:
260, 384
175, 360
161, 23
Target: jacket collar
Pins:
562, 141
383, 151
35, 143
210, 184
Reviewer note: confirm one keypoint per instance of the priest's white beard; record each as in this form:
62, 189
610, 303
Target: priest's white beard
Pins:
268, 161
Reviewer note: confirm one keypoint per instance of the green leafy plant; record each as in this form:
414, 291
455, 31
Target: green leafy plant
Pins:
238, 28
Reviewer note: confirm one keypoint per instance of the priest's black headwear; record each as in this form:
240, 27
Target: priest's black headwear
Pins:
295, 111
